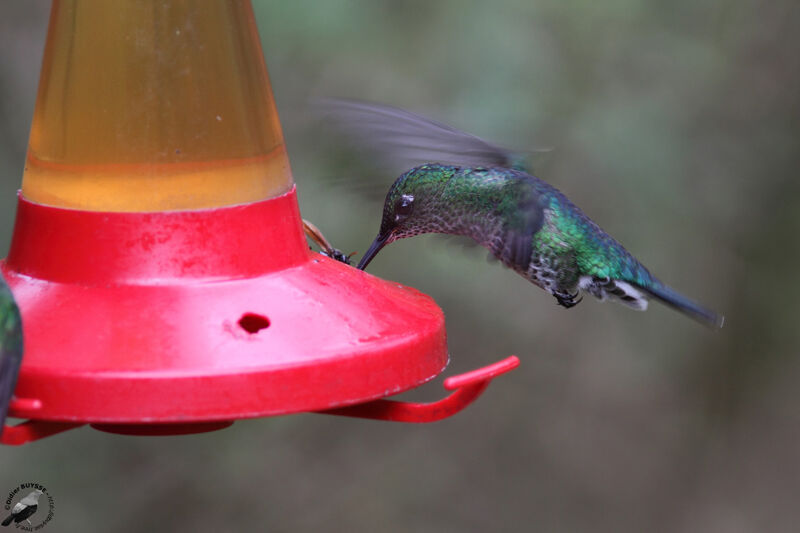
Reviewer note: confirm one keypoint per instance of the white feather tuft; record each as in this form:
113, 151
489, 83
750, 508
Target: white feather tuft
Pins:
638, 301
619, 291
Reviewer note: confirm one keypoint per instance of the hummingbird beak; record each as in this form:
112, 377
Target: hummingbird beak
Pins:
375, 247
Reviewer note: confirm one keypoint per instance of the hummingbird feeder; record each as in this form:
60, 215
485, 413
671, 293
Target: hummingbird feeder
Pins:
158, 257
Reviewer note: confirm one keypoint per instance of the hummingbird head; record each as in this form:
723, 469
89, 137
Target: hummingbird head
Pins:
411, 206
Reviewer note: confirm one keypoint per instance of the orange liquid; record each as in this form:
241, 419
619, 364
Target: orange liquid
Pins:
153, 106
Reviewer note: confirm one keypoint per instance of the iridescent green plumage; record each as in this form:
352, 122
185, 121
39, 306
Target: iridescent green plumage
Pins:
526, 223
10, 347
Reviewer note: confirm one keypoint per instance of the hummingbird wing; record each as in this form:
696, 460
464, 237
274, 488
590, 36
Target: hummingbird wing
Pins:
10, 348
522, 219
405, 140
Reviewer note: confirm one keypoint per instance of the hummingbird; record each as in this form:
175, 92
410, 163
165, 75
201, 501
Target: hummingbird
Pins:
10, 348
473, 188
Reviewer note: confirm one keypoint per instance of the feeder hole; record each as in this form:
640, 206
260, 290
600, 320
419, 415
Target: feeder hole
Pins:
253, 323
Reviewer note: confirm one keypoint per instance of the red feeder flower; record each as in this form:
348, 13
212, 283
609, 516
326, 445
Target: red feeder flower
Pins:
158, 257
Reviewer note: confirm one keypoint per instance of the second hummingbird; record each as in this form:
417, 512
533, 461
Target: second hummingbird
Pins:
473, 188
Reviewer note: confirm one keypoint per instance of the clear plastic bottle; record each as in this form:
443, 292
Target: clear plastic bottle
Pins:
154, 106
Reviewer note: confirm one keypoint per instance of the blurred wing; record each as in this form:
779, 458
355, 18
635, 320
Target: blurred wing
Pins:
404, 140
10, 348
525, 219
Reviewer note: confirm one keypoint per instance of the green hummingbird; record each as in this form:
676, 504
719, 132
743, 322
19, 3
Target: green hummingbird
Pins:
10, 348
470, 187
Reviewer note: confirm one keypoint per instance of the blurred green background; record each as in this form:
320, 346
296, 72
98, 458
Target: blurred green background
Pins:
674, 125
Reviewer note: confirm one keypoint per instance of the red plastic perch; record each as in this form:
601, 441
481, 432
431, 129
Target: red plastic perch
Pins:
467, 388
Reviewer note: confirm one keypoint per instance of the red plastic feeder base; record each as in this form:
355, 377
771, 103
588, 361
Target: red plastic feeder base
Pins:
179, 322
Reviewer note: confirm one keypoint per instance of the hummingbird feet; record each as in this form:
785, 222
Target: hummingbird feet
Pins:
567, 300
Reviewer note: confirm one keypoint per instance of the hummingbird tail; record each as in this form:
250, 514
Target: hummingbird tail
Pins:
686, 306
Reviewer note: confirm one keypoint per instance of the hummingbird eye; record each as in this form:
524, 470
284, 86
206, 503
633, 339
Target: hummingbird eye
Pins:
403, 207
